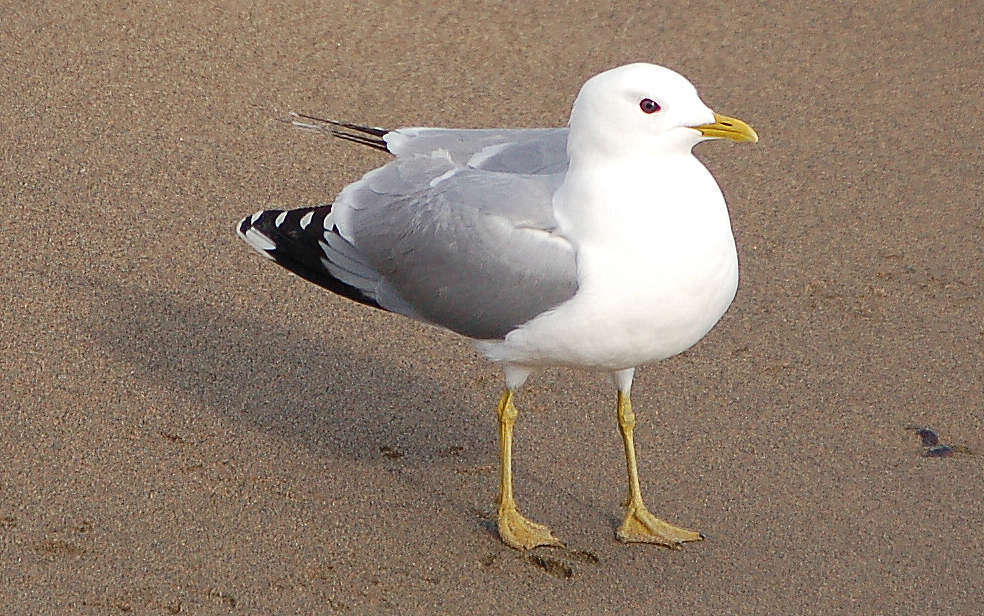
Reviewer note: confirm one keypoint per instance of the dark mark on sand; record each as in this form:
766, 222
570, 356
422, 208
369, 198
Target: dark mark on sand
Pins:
932, 448
553, 566
391, 452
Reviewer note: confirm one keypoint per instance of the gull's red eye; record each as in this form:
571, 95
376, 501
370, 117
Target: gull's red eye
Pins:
648, 105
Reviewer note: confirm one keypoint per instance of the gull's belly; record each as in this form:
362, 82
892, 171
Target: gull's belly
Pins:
622, 317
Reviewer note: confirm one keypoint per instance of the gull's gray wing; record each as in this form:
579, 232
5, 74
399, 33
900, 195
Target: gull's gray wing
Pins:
458, 230
525, 151
510, 150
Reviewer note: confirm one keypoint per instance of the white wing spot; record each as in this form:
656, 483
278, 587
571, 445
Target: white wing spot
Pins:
306, 220
475, 162
280, 219
255, 217
259, 241
443, 177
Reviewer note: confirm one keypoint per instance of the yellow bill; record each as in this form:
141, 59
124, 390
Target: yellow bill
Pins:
724, 127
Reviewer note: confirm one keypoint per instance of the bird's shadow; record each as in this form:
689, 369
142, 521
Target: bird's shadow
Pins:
302, 384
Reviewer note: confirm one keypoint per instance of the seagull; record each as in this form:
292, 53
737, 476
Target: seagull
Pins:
600, 246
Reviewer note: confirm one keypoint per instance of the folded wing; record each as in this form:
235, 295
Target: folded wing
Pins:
458, 230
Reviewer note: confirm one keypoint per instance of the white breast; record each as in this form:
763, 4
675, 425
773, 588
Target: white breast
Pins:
657, 268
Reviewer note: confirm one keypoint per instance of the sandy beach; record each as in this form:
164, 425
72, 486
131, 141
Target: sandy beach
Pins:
186, 429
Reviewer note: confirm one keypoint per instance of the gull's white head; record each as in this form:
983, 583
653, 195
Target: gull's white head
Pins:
634, 107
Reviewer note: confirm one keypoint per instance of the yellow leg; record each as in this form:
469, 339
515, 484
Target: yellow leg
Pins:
515, 530
640, 525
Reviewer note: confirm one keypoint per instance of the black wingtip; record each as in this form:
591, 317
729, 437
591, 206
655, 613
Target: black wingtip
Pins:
291, 239
372, 136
